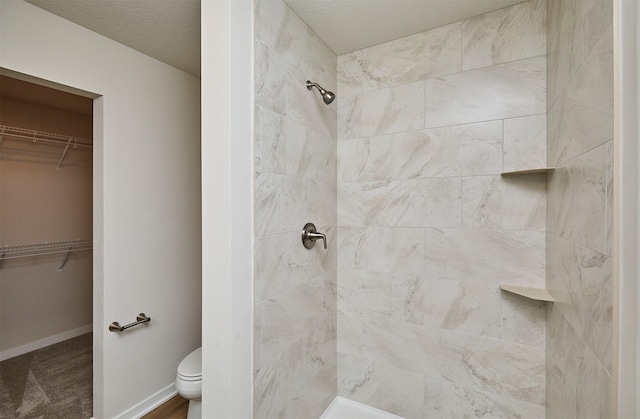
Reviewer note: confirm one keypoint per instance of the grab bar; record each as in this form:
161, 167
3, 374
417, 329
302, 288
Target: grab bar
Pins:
141, 318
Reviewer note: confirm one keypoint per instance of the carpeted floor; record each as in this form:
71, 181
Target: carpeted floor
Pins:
55, 382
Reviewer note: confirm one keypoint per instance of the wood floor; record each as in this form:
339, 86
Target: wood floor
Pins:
175, 408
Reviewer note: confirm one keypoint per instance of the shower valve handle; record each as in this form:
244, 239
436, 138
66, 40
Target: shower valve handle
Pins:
310, 235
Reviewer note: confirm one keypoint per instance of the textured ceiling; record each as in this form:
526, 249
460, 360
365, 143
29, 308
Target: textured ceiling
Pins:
350, 25
168, 30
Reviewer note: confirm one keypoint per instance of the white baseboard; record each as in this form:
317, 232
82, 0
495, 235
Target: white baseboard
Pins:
41, 343
149, 403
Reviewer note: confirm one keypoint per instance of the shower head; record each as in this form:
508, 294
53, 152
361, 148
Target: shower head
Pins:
327, 96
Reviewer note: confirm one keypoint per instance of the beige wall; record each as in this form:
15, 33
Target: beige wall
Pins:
580, 209
41, 204
428, 229
147, 222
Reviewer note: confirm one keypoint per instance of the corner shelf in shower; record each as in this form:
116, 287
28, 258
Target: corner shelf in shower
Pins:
46, 137
526, 171
538, 294
46, 248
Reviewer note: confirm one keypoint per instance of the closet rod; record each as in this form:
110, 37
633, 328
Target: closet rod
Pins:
46, 248
35, 136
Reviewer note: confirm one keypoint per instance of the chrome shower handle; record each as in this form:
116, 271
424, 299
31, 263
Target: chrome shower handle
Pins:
310, 235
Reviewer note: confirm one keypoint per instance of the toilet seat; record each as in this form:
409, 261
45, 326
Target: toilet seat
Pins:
190, 369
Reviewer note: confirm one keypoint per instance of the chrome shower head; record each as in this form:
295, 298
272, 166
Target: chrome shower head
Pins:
327, 96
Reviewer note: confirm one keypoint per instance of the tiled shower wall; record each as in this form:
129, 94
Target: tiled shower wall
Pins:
428, 228
295, 183
579, 212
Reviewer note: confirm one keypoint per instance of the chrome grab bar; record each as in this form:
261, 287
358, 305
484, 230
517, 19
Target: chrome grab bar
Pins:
141, 318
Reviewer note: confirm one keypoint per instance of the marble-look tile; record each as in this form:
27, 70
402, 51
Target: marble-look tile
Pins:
383, 111
505, 35
597, 15
281, 204
350, 74
501, 91
485, 255
579, 184
306, 106
289, 148
610, 202
403, 203
582, 117
565, 47
278, 27
382, 386
594, 388
381, 249
363, 159
484, 364
321, 202
289, 316
467, 307
581, 281
562, 359
270, 79
364, 292
516, 202
444, 399
281, 262
525, 143
523, 320
413, 58
463, 150
280, 383
350, 337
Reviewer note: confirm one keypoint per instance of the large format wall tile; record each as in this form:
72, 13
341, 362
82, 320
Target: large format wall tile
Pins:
501, 91
581, 281
382, 111
365, 292
562, 359
281, 262
579, 184
350, 74
504, 202
492, 256
413, 58
382, 386
525, 143
523, 320
381, 249
582, 117
467, 307
484, 364
505, 35
363, 159
565, 47
289, 148
463, 150
444, 399
404, 203
270, 79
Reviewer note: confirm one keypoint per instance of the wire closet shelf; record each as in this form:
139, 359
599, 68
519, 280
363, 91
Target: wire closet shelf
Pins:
46, 248
46, 137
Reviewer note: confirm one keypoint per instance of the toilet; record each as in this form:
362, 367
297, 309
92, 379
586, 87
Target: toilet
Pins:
189, 382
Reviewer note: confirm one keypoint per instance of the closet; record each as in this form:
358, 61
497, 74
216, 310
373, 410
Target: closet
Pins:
46, 295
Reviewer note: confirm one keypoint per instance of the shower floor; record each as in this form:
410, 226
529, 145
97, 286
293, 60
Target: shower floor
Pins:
341, 408
52, 382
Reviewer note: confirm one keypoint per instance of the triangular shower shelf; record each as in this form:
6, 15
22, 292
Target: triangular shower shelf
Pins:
525, 171
539, 294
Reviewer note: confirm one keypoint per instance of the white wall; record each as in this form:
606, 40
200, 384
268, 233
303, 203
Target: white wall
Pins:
227, 99
147, 226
